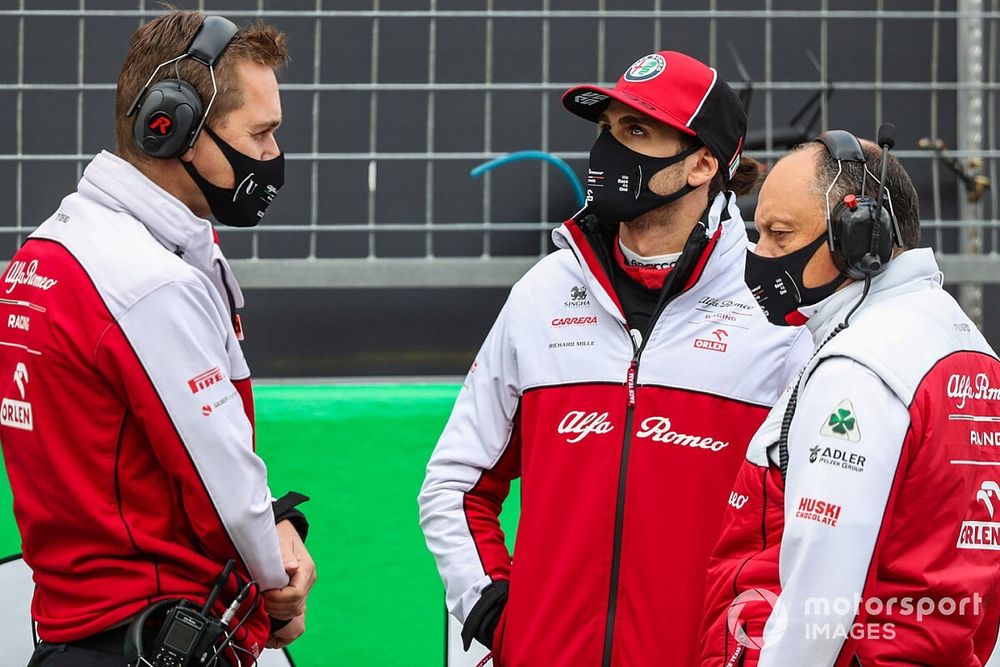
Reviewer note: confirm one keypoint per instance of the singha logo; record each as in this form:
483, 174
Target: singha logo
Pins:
577, 297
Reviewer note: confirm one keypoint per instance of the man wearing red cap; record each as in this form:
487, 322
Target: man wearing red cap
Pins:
621, 382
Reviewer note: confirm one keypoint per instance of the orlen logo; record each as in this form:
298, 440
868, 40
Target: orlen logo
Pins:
963, 387
205, 380
581, 424
14, 413
589, 320
659, 429
715, 345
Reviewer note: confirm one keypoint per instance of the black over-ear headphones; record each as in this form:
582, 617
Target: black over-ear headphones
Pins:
169, 114
861, 231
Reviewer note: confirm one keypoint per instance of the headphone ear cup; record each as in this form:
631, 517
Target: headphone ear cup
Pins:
169, 114
835, 227
852, 232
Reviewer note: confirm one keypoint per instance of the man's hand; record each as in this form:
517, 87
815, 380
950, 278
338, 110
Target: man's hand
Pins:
287, 634
289, 602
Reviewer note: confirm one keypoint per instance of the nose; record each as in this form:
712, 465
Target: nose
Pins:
766, 248
271, 149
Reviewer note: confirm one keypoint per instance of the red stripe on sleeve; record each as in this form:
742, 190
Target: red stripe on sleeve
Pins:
483, 502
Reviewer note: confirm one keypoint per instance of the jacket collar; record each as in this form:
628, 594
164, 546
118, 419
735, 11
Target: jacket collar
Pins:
723, 223
910, 271
116, 184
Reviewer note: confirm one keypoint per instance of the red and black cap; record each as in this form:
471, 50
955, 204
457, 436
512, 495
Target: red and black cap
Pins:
680, 91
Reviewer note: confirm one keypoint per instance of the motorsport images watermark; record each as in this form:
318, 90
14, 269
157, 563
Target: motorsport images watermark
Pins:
825, 615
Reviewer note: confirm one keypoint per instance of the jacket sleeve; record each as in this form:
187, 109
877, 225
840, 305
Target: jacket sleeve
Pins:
167, 357
844, 447
469, 475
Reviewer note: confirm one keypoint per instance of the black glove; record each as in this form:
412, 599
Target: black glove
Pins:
482, 620
284, 510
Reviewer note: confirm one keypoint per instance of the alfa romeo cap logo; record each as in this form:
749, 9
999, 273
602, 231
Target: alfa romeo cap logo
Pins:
646, 68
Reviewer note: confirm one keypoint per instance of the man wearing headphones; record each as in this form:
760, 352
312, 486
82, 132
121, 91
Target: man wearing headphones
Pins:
127, 417
865, 528
621, 383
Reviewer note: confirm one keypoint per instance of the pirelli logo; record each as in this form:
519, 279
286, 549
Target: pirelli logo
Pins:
206, 380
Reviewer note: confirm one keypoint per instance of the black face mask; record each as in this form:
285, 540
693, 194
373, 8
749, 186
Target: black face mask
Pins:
618, 181
776, 282
257, 182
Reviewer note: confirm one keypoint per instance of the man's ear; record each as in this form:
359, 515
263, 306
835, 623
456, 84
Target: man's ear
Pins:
702, 167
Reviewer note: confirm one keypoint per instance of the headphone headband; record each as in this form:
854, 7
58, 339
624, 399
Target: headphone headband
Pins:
211, 40
842, 145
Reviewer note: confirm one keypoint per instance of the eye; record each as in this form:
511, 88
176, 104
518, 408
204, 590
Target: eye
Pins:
636, 131
603, 125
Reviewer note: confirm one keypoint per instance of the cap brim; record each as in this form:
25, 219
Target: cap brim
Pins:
589, 102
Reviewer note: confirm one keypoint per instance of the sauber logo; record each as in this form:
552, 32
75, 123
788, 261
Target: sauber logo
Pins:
205, 380
15, 413
26, 273
581, 424
963, 387
659, 429
982, 535
819, 511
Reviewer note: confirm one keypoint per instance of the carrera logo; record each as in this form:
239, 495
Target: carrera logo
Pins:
581, 424
588, 320
982, 535
206, 380
819, 511
963, 387
659, 429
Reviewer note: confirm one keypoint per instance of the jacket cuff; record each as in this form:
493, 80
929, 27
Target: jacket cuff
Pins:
284, 509
482, 621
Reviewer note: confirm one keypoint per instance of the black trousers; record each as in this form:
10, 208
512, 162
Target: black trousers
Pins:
61, 655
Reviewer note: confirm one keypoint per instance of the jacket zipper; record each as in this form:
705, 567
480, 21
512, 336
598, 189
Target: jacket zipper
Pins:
609, 628
674, 289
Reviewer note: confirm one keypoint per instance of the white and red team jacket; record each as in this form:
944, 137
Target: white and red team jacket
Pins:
126, 416
882, 544
624, 462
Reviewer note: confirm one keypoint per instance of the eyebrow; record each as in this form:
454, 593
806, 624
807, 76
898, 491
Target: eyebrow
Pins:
630, 120
264, 125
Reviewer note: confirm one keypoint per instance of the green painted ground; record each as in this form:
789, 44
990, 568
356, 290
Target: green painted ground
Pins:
359, 452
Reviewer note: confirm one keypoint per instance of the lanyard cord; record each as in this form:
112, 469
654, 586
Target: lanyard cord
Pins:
786, 421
